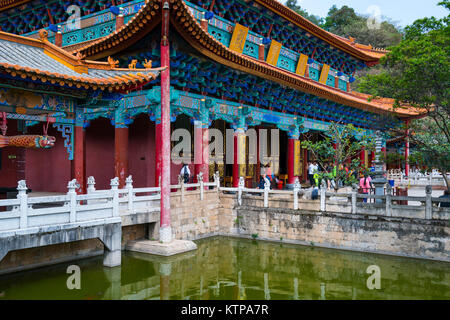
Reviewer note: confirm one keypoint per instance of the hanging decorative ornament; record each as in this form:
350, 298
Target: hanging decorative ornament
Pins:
3, 121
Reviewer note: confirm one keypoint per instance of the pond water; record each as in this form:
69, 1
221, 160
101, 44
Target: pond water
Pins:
228, 268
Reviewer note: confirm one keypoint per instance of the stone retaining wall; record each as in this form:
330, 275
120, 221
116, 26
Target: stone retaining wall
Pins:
411, 237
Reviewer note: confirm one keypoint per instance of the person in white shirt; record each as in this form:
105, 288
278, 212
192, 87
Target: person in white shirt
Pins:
311, 169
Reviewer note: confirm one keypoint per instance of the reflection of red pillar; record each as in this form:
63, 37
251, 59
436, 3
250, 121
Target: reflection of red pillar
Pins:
79, 159
164, 288
165, 230
157, 153
407, 149
290, 156
121, 155
235, 162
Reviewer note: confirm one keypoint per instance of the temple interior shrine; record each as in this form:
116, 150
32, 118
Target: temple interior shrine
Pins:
97, 75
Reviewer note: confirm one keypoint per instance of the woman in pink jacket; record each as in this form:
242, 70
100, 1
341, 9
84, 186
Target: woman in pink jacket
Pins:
365, 184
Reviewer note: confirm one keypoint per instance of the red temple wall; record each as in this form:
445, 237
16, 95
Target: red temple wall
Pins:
100, 152
47, 169
50, 170
141, 152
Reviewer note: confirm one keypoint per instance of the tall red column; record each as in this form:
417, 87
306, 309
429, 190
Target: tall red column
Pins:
407, 148
121, 154
258, 156
157, 152
79, 159
362, 156
165, 231
291, 156
198, 148
205, 154
235, 162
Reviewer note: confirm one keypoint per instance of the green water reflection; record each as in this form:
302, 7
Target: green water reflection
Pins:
225, 268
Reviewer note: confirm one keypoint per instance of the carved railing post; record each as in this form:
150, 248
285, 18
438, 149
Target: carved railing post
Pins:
266, 192
323, 198
129, 187
91, 184
428, 203
354, 193
72, 193
297, 188
217, 180
240, 189
182, 188
388, 200
23, 197
115, 196
202, 188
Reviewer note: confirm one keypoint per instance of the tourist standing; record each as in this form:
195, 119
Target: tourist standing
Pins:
311, 173
365, 184
185, 173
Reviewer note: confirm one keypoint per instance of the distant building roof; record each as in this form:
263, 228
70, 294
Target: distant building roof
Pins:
41, 60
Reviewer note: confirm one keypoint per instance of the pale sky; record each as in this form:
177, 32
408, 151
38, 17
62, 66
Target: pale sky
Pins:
404, 12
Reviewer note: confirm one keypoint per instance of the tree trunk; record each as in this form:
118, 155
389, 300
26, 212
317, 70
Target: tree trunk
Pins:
444, 175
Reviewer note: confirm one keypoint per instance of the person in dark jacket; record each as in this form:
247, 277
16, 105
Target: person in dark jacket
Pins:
445, 196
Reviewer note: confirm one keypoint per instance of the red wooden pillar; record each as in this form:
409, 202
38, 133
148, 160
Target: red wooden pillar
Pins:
258, 156
205, 154
407, 148
157, 152
235, 162
239, 156
198, 148
121, 154
362, 157
165, 231
79, 159
291, 156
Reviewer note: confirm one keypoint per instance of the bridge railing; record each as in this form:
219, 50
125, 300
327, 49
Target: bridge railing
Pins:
28, 212
25, 212
416, 177
352, 202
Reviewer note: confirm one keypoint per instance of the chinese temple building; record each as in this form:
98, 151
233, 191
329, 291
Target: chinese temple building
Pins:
224, 64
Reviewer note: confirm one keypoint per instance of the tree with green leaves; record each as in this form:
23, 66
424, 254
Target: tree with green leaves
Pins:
292, 4
416, 73
339, 148
347, 23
